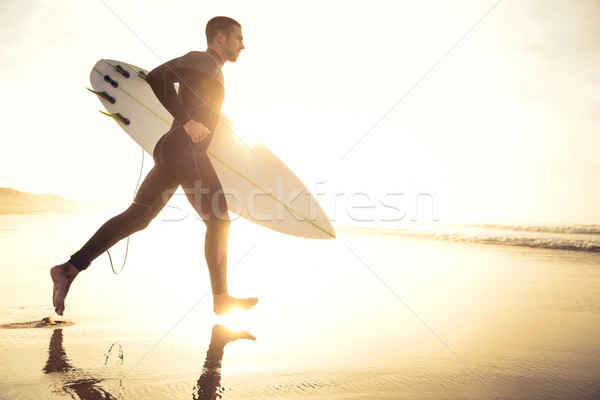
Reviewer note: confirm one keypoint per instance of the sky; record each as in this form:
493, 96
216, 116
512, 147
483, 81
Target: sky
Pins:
389, 111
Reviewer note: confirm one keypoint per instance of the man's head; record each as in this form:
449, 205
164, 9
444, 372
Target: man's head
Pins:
224, 35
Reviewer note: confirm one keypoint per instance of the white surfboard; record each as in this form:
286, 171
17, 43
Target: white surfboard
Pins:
258, 185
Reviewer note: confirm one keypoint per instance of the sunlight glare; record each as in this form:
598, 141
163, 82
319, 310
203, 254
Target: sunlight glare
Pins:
235, 320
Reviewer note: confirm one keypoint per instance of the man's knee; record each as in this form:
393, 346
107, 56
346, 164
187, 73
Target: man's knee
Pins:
139, 217
218, 222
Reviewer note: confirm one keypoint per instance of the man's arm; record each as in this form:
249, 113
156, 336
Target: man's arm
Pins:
162, 80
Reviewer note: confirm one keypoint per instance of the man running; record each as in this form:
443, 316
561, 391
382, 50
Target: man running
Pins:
180, 160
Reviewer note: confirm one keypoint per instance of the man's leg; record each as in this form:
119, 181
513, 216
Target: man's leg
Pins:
156, 189
206, 196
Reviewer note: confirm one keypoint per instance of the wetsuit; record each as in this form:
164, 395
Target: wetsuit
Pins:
178, 160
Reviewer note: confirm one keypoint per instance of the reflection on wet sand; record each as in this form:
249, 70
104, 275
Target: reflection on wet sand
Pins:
209, 386
79, 385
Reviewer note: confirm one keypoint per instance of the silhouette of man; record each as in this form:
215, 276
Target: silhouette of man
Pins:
180, 160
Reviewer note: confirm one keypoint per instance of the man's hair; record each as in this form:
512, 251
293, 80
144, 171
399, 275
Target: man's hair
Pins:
220, 24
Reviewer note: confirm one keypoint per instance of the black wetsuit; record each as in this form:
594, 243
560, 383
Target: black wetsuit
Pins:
178, 160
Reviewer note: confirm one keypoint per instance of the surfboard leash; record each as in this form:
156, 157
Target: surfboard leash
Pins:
124, 120
137, 186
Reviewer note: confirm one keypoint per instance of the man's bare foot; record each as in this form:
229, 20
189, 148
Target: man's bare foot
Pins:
223, 303
62, 276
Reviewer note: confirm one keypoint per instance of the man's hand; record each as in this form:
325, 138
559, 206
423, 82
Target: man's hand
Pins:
196, 130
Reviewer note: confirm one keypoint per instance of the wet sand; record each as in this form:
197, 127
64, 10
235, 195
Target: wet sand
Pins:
363, 316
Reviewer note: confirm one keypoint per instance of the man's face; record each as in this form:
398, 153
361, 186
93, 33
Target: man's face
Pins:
233, 45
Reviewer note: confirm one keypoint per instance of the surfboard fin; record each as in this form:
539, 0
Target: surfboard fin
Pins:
119, 69
110, 80
104, 95
124, 72
117, 117
141, 74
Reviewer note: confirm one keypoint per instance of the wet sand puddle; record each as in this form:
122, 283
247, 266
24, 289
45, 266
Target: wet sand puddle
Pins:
43, 323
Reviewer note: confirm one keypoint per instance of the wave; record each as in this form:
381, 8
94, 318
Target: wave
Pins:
570, 229
580, 237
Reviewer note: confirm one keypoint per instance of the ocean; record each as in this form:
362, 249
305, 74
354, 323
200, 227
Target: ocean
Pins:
557, 237
414, 312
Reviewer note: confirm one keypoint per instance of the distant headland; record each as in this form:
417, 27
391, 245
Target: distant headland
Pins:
16, 202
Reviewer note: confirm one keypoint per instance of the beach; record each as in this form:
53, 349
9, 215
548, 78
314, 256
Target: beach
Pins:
373, 314
453, 146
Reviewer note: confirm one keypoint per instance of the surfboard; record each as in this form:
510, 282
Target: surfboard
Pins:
257, 184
